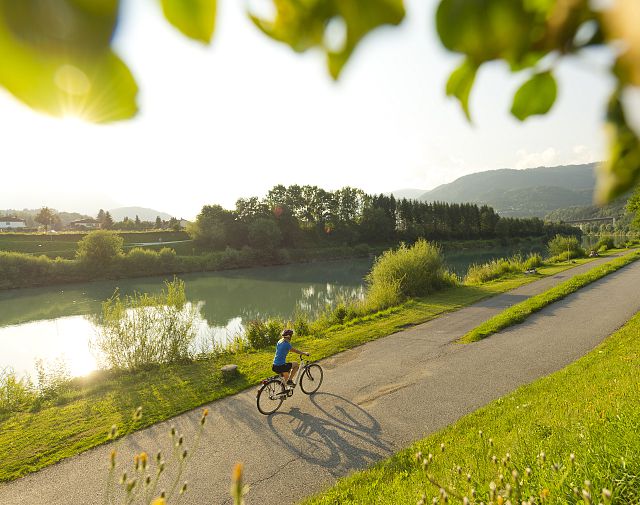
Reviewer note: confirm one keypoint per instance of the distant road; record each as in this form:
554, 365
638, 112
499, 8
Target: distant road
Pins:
376, 399
138, 244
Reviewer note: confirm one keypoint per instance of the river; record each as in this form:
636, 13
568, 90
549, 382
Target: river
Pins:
54, 324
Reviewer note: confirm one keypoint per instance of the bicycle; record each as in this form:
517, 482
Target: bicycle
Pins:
274, 391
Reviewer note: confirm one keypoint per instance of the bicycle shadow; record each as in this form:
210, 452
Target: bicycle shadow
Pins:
341, 436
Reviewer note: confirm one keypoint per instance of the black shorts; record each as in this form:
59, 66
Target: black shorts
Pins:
282, 368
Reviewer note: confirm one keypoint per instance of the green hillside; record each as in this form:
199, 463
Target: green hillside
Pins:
521, 193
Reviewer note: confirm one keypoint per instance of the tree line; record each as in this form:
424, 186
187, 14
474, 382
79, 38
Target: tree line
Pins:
309, 216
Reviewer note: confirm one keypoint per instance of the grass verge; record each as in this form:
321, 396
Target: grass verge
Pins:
588, 410
80, 418
519, 312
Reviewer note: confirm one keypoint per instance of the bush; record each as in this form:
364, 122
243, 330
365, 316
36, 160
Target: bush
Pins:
567, 247
494, 269
263, 334
409, 271
143, 329
604, 244
16, 394
139, 261
100, 248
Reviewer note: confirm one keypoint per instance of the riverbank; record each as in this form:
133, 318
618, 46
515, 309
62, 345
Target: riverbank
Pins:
24, 269
78, 418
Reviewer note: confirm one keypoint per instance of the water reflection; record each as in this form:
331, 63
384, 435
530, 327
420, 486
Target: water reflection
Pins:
51, 323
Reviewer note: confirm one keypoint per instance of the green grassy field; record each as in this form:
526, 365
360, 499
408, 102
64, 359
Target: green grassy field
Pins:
571, 433
65, 244
78, 419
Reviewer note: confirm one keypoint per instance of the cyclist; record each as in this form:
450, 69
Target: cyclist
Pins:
280, 365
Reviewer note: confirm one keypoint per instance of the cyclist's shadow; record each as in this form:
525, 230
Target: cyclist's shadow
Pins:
342, 436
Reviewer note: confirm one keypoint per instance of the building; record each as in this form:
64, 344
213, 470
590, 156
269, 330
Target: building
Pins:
12, 223
85, 224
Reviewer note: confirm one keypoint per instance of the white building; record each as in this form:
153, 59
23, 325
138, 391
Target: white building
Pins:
12, 223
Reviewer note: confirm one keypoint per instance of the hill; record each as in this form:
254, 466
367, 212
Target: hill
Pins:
520, 193
143, 213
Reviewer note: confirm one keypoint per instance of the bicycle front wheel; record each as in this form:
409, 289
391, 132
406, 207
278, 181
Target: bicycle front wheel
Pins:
311, 379
270, 397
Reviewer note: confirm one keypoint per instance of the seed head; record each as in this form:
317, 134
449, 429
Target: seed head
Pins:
184, 454
606, 495
442, 447
528, 471
183, 489
459, 470
586, 496
572, 457
113, 458
138, 414
468, 477
419, 456
543, 457
113, 432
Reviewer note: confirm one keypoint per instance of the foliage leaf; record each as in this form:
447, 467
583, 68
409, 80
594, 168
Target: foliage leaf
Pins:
303, 25
64, 66
536, 96
485, 30
460, 83
621, 171
194, 18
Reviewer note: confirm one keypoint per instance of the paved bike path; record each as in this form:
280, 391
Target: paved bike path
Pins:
375, 399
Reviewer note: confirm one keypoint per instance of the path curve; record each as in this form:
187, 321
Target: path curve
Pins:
376, 399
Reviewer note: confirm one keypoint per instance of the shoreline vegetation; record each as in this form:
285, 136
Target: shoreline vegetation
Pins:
50, 423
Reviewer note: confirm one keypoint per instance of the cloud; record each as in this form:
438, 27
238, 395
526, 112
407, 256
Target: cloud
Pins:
546, 158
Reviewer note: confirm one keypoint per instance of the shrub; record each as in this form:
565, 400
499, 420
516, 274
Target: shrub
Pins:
262, 334
143, 329
99, 248
604, 244
567, 247
139, 261
409, 271
16, 394
301, 324
494, 269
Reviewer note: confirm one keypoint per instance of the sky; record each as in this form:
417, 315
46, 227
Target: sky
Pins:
235, 118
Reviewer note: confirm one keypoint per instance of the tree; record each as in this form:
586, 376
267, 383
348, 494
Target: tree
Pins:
158, 223
211, 227
99, 248
107, 224
101, 216
75, 65
46, 217
263, 233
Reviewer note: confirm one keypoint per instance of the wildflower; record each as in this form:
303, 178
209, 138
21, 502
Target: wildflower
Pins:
543, 457
556, 467
572, 457
586, 496
465, 500
508, 457
515, 475
159, 501
491, 442
499, 500
528, 471
442, 447
203, 419
494, 459
480, 433
459, 470
137, 414
468, 477
606, 495
236, 484
143, 460
419, 456
544, 494
587, 484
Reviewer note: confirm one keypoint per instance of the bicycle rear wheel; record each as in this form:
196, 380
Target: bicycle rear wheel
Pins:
270, 397
311, 379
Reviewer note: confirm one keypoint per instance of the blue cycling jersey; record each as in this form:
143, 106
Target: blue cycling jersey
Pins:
282, 349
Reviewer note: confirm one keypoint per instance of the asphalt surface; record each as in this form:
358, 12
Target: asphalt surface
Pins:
375, 400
